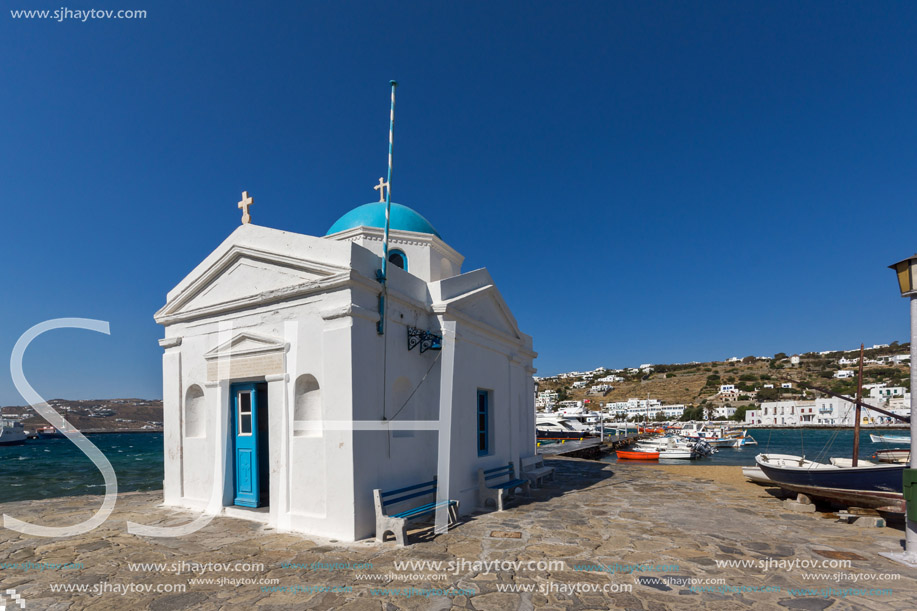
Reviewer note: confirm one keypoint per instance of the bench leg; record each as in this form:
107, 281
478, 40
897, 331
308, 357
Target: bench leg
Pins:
396, 526
499, 500
401, 534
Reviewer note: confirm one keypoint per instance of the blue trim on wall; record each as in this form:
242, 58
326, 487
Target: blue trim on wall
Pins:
404, 257
483, 414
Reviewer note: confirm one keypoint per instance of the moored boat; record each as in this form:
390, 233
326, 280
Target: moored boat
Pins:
637, 454
893, 456
553, 427
11, 432
890, 438
49, 432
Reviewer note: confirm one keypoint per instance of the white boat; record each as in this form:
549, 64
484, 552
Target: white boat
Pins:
890, 438
551, 426
744, 440
756, 475
670, 447
11, 432
590, 420
678, 454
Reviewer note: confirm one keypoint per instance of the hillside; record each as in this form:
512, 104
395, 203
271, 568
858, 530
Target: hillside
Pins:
97, 414
695, 384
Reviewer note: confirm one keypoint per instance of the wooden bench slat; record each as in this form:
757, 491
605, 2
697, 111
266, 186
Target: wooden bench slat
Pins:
510, 484
409, 496
428, 508
407, 488
396, 523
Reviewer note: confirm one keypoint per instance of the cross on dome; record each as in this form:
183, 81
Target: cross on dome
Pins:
381, 187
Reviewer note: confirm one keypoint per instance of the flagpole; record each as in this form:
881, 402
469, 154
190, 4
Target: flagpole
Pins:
388, 213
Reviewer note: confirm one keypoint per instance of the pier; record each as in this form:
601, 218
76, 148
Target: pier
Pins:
590, 448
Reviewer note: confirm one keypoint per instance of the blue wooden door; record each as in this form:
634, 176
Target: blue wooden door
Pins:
245, 444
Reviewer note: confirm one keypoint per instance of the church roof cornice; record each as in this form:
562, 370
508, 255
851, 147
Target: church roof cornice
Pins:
337, 281
399, 236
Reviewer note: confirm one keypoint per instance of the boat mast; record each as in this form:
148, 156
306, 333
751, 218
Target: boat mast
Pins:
856, 426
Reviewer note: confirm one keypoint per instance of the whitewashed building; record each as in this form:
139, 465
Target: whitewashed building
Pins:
285, 403
724, 411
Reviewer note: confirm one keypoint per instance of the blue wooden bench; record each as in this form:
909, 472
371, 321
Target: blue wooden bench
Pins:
396, 523
492, 483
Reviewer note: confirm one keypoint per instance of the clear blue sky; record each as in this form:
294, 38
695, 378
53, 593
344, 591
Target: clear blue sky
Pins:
647, 182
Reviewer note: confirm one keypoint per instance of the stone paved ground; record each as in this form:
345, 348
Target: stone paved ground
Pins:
594, 514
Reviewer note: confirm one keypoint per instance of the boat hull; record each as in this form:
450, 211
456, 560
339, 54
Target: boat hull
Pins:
872, 478
9, 437
890, 438
893, 456
630, 455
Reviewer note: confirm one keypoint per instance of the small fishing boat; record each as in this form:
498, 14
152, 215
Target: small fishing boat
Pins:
744, 440
49, 432
890, 438
637, 454
756, 475
788, 469
898, 456
677, 454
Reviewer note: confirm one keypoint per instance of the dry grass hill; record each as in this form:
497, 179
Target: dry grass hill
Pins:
696, 384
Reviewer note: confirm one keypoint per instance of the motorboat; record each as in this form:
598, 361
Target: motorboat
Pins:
675, 448
11, 432
552, 426
588, 419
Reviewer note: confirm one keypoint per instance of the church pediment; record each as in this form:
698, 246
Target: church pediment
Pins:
246, 344
485, 307
244, 276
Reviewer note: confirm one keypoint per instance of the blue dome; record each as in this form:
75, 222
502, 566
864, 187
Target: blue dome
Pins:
373, 215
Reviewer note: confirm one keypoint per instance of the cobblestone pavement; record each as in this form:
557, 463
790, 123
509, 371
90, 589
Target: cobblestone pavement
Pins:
614, 527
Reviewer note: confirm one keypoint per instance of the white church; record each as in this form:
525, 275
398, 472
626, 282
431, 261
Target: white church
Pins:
287, 402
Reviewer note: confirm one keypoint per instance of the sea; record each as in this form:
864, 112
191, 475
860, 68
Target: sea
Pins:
815, 444
47, 468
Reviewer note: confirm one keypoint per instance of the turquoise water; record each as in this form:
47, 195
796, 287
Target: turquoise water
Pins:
54, 467
46, 468
815, 444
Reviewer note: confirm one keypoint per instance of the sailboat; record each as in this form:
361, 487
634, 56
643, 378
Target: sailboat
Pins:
848, 481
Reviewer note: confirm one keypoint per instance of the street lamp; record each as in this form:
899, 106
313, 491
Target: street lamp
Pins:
906, 270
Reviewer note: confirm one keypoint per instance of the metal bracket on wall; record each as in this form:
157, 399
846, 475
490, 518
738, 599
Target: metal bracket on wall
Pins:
424, 339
